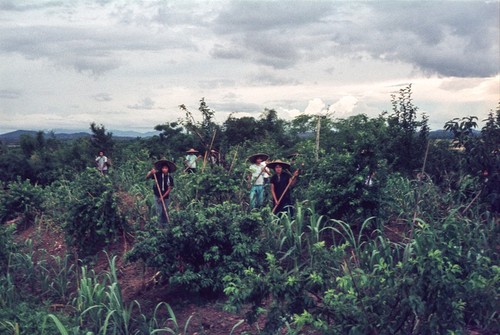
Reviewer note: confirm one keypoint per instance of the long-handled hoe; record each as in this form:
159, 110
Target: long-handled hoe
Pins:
161, 198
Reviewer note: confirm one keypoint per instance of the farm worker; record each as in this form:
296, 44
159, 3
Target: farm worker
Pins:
164, 182
190, 160
267, 178
102, 162
255, 178
215, 157
281, 184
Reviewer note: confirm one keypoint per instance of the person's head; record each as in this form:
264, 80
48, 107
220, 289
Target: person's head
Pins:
258, 160
101, 153
278, 166
164, 168
192, 152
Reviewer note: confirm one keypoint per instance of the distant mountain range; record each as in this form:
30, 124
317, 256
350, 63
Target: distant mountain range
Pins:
15, 136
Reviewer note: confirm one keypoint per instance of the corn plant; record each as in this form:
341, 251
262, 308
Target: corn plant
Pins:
175, 329
90, 297
10, 328
63, 276
9, 294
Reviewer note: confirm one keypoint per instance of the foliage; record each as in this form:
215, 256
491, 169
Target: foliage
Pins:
43, 159
365, 284
173, 137
201, 245
479, 153
101, 309
101, 140
13, 165
91, 212
24, 318
408, 136
205, 130
392, 234
210, 185
344, 190
7, 245
240, 130
22, 201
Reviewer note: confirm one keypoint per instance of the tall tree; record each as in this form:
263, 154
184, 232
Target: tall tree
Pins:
271, 127
205, 130
239, 130
172, 140
101, 139
409, 135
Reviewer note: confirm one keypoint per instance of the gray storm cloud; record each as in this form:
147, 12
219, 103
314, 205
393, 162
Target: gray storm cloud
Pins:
446, 38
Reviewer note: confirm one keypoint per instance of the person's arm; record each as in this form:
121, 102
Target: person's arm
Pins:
150, 173
249, 176
169, 188
166, 192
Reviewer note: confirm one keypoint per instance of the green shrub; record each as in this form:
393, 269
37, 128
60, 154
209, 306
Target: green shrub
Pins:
91, 212
201, 245
21, 200
438, 282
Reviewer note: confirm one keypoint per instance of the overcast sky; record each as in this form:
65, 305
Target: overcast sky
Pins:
128, 65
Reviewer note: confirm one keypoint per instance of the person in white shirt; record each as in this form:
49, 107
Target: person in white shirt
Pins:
257, 171
102, 162
190, 160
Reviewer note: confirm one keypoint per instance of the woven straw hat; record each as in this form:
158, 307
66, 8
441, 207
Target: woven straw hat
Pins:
273, 164
161, 162
253, 158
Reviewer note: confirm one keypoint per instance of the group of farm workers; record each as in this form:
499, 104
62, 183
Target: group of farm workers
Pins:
259, 179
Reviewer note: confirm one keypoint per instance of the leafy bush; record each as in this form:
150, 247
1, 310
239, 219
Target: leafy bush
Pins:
435, 283
91, 212
21, 200
212, 185
201, 245
338, 187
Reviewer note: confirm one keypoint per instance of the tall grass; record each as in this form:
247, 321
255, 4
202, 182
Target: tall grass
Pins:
100, 309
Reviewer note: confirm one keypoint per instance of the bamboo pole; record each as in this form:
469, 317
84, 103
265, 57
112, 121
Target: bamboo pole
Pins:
284, 192
161, 198
234, 160
209, 151
318, 127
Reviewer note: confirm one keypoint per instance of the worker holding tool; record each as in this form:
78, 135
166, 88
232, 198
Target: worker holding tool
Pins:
281, 183
164, 182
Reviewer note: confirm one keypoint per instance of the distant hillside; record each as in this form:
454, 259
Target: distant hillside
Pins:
443, 134
440, 134
15, 136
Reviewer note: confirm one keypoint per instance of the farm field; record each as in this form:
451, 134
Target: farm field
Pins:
391, 232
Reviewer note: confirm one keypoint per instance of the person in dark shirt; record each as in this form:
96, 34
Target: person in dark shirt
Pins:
164, 182
281, 183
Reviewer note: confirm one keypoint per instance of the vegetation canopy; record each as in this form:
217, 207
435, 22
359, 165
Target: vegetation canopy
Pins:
392, 232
